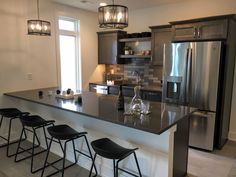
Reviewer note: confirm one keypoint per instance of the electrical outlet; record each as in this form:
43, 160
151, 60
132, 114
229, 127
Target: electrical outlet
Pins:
30, 76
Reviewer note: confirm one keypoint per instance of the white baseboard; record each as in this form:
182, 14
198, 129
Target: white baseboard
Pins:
232, 136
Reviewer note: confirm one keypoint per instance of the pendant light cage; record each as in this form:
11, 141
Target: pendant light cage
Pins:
113, 16
39, 27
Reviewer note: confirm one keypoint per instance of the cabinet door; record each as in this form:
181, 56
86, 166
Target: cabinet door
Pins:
213, 29
129, 92
152, 95
184, 32
107, 48
159, 38
114, 90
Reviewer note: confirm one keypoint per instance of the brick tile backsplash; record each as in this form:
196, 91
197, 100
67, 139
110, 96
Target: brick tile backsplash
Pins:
151, 75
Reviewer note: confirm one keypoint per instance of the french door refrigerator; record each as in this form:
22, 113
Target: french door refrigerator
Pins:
191, 77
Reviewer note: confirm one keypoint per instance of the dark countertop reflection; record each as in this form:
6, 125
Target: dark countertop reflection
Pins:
103, 107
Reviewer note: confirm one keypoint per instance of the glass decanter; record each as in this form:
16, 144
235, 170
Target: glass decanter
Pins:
136, 103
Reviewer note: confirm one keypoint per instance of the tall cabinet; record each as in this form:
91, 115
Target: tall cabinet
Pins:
160, 35
109, 47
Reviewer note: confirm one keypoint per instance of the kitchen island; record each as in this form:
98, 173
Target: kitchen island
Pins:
161, 136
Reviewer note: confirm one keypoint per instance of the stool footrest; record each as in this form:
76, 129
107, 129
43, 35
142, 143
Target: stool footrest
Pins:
82, 153
27, 150
59, 170
128, 172
12, 142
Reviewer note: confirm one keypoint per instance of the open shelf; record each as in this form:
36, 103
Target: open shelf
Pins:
135, 39
135, 56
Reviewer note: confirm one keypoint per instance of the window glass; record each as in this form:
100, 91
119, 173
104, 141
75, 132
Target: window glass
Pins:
67, 25
68, 62
69, 54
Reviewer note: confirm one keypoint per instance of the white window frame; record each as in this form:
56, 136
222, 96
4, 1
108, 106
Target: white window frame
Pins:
75, 34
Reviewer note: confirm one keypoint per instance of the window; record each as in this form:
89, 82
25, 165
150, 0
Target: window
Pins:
69, 53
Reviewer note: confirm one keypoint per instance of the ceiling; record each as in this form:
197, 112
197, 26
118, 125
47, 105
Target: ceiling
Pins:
92, 5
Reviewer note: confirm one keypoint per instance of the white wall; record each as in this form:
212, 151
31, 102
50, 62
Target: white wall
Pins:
91, 71
21, 54
140, 20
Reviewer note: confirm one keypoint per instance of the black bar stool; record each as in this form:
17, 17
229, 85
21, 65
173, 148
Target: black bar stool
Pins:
11, 114
110, 150
31, 124
66, 133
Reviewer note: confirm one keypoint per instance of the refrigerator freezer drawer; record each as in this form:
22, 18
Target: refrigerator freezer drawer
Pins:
202, 127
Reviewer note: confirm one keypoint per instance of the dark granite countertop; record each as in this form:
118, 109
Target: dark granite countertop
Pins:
144, 87
103, 107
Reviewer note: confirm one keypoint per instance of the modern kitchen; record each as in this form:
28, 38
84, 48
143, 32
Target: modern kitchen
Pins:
118, 88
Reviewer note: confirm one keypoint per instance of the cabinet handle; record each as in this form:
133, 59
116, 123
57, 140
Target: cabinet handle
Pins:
194, 33
198, 33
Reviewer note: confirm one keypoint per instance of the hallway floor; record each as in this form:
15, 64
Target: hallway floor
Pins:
201, 164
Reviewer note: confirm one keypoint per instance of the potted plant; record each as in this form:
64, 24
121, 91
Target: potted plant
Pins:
128, 50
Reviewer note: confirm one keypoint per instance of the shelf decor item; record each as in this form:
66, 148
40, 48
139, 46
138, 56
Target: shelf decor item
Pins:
113, 16
128, 50
39, 27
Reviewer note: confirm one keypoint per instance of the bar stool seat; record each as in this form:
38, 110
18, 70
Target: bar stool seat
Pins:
35, 121
110, 150
65, 133
11, 114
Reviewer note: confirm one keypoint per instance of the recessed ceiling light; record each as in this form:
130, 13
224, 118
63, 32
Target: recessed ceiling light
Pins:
102, 4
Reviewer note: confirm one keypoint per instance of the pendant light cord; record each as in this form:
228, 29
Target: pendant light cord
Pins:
38, 9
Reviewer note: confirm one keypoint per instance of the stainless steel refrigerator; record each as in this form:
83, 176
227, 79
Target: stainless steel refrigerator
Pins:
191, 77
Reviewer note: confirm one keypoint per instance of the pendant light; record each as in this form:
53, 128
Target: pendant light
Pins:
113, 16
39, 27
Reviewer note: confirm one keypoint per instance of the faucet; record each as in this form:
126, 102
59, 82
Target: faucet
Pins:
138, 77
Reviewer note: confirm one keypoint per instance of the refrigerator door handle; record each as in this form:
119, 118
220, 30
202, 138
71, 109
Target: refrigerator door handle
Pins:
188, 75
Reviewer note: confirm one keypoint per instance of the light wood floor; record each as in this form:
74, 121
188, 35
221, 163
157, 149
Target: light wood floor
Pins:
201, 164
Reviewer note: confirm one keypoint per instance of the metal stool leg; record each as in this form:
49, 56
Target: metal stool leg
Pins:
93, 164
46, 159
114, 167
73, 143
18, 146
136, 160
8, 139
90, 153
64, 160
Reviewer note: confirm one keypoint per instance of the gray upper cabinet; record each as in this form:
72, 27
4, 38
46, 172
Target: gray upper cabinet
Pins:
160, 35
200, 29
109, 48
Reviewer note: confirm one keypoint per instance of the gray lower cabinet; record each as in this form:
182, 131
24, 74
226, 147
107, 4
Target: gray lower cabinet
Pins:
160, 35
129, 92
152, 95
200, 29
113, 90
109, 47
